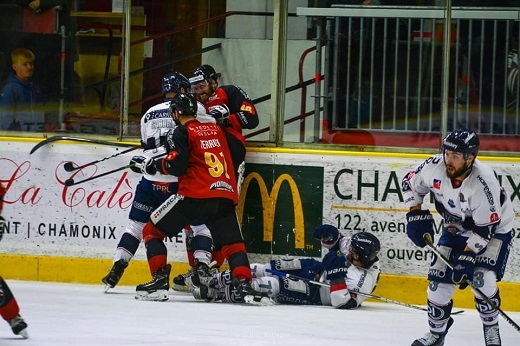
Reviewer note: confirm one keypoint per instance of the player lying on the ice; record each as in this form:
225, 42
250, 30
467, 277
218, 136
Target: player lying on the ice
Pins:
350, 265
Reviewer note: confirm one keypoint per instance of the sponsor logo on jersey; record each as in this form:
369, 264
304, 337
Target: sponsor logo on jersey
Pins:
488, 193
436, 184
494, 217
221, 185
451, 203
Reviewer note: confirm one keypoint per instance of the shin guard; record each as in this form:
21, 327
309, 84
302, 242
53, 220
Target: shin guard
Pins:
438, 316
488, 315
8, 306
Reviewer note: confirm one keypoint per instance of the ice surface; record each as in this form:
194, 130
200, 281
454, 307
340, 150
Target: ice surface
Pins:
61, 314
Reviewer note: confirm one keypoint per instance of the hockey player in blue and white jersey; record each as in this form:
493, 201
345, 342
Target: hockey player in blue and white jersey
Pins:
152, 190
478, 229
351, 265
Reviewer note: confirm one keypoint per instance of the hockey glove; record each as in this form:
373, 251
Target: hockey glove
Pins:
463, 269
327, 234
419, 223
142, 164
2, 226
220, 113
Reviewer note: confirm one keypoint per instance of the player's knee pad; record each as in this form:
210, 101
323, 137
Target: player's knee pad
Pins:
151, 232
440, 292
135, 228
485, 280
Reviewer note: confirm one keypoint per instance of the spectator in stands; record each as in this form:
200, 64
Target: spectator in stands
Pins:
41, 5
20, 94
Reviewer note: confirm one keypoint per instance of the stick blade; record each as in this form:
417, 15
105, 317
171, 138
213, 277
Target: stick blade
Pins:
69, 182
69, 166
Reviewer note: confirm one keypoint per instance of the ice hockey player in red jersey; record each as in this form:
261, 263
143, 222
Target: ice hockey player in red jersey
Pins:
231, 107
9, 309
200, 157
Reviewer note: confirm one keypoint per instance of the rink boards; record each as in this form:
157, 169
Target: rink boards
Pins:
69, 234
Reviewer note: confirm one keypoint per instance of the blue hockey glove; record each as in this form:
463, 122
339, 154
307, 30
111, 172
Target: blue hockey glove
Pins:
419, 223
220, 113
463, 269
327, 234
143, 164
336, 268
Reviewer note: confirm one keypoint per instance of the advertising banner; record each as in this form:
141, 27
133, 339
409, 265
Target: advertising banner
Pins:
285, 195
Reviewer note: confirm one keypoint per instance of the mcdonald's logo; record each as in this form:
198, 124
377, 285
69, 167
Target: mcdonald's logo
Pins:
289, 204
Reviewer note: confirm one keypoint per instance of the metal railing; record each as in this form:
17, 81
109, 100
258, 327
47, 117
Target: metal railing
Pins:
386, 66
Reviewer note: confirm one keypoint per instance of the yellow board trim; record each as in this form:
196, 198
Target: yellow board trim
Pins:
406, 289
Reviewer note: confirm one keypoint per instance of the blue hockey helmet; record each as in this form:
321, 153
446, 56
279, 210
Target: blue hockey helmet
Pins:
174, 82
461, 141
366, 245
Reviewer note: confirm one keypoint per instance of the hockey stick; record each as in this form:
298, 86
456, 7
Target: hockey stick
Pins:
69, 166
76, 139
368, 295
71, 182
428, 239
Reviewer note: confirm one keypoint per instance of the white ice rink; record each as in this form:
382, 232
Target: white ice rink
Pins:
82, 315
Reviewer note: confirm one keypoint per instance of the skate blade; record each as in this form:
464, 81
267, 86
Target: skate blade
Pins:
106, 288
157, 296
265, 301
24, 334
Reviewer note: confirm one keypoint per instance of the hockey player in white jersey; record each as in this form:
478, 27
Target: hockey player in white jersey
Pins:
351, 265
152, 191
478, 229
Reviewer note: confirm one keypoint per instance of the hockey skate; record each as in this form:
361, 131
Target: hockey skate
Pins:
202, 275
492, 335
115, 274
433, 339
249, 294
179, 282
157, 289
19, 326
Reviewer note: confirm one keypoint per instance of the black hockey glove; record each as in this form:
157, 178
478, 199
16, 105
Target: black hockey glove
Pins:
142, 164
419, 223
463, 269
220, 113
327, 234
2, 226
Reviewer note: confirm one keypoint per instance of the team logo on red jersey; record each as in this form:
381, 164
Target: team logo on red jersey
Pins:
494, 217
436, 184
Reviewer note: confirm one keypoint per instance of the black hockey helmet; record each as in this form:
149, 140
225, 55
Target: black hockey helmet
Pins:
184, 104
174, 82
366, 245
461, 141
204, 72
